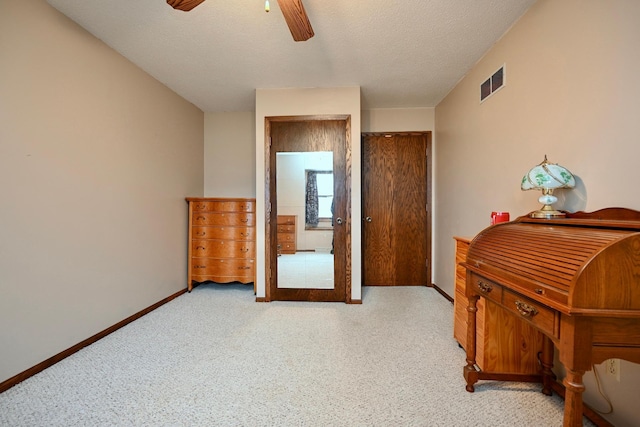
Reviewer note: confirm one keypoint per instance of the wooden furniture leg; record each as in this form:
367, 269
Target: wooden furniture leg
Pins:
574, 387
547, 365
470, 371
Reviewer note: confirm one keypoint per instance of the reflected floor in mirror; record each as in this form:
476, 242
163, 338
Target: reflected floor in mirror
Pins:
305, 270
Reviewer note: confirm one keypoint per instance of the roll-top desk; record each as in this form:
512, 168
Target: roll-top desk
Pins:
575, 279
221, 240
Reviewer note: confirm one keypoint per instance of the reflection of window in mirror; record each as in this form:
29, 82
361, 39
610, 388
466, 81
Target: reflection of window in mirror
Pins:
319, 199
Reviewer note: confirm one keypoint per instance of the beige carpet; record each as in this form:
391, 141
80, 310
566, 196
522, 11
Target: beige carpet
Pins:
215, 357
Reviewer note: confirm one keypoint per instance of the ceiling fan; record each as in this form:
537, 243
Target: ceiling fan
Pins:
293, 11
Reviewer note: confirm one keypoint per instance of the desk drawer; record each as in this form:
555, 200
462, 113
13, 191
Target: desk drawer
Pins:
486, 288
540, 316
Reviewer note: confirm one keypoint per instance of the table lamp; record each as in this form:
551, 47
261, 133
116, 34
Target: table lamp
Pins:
547, 177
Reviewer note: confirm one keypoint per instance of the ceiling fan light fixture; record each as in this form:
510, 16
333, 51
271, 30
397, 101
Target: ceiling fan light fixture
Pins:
267, 8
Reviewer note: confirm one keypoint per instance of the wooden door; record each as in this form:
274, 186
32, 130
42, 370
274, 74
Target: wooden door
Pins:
305, 134
396, 237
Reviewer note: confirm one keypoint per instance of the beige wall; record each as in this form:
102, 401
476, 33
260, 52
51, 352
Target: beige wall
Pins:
229, 152
96, 158
398, 119
302, 102
230, 149
572, 92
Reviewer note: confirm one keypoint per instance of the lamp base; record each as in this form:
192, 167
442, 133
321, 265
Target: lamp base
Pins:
547, 214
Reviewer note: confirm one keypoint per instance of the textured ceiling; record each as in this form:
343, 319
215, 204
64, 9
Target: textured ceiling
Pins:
404, 53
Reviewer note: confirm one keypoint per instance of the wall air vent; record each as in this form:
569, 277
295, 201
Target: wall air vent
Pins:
492, 84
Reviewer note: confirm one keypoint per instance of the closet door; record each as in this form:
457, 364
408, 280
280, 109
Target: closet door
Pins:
395, 205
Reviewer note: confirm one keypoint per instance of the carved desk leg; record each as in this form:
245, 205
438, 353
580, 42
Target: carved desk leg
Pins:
470, 371
574, 387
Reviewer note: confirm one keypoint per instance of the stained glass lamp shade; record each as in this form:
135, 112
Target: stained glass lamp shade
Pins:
547, 177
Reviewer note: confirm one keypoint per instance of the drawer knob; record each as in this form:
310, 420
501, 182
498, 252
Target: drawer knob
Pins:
245, 220
200, 233
484, 287
245, 250
244, 268
525, 309
201, 218
199, 266
200, 247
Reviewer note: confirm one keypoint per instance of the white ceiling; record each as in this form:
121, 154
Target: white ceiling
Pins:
402, 53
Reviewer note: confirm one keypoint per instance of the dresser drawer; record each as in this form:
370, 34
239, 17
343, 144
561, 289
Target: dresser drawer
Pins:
218, 278
223, 249
221, 218
486, 288
540, 316
286, 237
222, 267
229, 233
224, 206
287, 247
286, 220
286, 228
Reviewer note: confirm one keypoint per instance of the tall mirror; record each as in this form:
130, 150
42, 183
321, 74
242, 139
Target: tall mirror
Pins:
305, 220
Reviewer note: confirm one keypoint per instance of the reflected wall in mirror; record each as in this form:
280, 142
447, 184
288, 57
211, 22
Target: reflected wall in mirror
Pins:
304, 188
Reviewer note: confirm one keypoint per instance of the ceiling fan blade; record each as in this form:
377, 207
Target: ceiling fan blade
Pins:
297, 19
184, 5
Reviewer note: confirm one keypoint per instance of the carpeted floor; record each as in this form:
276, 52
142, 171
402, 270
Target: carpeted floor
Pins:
215, 357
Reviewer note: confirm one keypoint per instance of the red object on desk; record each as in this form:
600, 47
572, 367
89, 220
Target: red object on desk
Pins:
497, 217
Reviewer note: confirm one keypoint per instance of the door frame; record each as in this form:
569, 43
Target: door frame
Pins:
271, 220
428, 189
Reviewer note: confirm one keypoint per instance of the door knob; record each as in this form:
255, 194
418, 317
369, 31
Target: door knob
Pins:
368, 219
339, 220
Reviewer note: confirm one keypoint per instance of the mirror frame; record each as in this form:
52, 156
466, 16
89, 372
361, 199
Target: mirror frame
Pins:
271, 228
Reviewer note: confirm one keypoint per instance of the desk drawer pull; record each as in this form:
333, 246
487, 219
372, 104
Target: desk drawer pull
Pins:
525, 309
484, 287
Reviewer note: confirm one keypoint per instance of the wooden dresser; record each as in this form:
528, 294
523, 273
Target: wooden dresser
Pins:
575, 279
460, 301
221, 240
497, 329
287, 234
